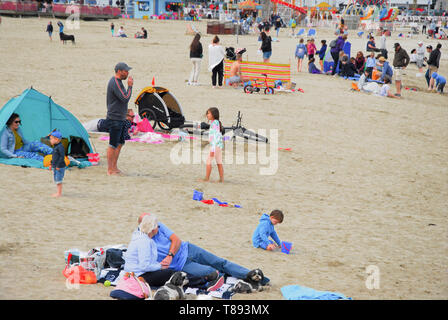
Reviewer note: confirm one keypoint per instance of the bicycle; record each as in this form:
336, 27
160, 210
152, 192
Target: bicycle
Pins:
238, 130
249, 88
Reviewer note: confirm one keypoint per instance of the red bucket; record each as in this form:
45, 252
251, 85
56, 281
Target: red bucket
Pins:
94, 158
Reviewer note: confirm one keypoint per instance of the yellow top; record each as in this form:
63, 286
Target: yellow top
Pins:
19, 142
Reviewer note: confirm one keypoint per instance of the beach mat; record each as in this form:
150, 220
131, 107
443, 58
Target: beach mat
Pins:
296, 292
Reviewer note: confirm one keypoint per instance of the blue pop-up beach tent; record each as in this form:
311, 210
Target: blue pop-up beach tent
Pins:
40, 115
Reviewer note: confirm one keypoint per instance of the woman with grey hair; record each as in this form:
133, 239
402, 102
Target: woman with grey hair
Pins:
141, 258
141, 254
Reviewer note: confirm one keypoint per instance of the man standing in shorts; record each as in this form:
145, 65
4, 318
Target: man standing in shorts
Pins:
401, 61
117, 107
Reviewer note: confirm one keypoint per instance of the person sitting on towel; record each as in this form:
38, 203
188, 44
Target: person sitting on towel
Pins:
14, 145
348, 68
312, 67
141, 259
99, 125
265, 229
180, 255
385, 89
386, 68
236, 78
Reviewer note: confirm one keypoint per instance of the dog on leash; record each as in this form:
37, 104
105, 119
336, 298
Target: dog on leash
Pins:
251, 284
173, 288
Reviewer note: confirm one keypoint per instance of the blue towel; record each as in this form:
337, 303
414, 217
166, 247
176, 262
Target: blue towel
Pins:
296, 292
33, 163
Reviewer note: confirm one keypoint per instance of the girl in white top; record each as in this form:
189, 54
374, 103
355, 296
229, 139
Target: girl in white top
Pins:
216, 54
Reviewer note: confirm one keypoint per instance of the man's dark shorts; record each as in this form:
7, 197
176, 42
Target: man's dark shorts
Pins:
116, 136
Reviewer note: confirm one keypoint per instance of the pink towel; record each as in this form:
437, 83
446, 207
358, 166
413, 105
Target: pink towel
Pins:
144, 126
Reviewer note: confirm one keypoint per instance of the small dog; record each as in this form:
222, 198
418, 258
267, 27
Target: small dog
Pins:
173, 288
252, 283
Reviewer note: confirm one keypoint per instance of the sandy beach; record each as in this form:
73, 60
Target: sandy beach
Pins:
365, 183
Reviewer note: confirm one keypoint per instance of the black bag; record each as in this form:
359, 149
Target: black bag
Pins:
78, 148
114, 258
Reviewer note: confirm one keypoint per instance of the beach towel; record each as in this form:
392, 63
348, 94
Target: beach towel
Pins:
296, 292
224, 292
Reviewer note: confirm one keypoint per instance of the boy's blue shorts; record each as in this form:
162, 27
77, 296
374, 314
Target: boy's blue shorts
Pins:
58, 175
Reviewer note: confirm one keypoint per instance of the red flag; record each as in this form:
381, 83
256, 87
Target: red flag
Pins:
153, 81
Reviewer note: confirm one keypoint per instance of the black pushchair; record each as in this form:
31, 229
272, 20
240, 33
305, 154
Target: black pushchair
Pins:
160, 107
231, 53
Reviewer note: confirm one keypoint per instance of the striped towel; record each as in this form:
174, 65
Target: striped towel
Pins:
254, 70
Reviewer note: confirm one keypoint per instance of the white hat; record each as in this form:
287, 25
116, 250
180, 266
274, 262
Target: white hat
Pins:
420, 43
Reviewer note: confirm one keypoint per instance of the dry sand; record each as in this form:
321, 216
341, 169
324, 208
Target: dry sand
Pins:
364, 185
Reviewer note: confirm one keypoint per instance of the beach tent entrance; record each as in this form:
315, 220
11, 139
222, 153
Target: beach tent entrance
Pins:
160, 107
40, 115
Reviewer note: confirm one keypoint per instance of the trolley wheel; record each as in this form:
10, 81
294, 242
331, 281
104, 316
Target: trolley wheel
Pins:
248, 88
164, 126
269, 90
150, 115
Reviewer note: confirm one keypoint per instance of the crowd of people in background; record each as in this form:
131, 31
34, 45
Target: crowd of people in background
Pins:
373, 65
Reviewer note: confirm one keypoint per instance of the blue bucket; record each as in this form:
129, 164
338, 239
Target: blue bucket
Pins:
286, 247
197, 195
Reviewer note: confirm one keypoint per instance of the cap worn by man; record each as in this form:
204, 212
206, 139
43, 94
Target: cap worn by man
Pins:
122, 66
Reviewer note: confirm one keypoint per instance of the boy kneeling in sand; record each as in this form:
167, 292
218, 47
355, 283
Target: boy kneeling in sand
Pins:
265, 229
57, 161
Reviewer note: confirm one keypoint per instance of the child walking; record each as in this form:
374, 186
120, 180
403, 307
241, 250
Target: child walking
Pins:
57, 161
216, 144
265, 229
300, 54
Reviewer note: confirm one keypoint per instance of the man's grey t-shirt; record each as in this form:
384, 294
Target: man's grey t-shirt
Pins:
117, 99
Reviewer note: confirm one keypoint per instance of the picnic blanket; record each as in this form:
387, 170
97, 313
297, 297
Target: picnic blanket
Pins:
296, 292
254, 70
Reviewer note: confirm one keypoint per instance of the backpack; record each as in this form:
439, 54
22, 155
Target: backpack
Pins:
78, 148
333, 43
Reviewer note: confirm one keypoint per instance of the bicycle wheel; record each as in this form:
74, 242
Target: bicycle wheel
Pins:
269, 90
248, 88
150, 115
